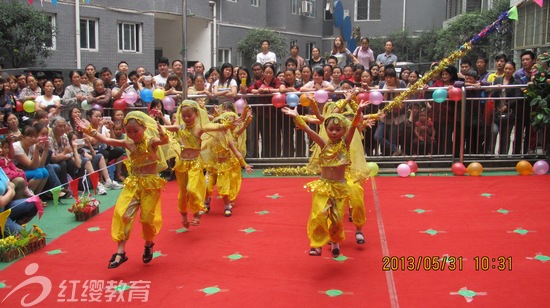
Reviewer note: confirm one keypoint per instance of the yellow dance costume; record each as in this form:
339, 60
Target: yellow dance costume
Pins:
141, 190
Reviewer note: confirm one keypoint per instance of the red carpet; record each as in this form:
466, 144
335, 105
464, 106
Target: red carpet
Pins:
258, 257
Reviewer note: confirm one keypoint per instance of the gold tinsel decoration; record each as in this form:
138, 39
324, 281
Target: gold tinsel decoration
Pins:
289, 171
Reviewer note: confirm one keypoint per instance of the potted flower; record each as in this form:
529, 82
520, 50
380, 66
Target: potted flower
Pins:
538, 95
85, 207
16, 246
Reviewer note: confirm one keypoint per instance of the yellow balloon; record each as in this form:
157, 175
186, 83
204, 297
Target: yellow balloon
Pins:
373, 168
524, 167
474, 169
158, 93
28, 106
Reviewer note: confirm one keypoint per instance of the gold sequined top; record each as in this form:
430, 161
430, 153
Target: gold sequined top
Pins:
335, 154
187, 139
143, 155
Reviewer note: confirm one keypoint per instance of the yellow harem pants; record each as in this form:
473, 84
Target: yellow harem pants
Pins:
191, 184
327, 211
140, 192
357, 203
227, 178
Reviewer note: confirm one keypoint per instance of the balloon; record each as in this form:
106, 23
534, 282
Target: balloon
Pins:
18, 106
413, 174
119, 104
458, 169
85, 105
541, 167
362, 96
168, 103
305, 100
278, 100
98, 107
28, 106
373, 168
376, 97
338, 13
455, 94
475, 169
131, 97
321, 96
440, 95
412, 164
158, 94
292, 100
146, 95
403, 170
346, 29
524, 167
240, 104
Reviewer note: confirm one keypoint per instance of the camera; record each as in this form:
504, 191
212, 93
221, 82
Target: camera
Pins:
43, 139
79, 142
130, 83
148, 78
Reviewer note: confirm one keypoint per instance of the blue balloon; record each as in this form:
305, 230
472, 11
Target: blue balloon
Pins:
292, 100
338, 14
346, 28
440, 95
146, 95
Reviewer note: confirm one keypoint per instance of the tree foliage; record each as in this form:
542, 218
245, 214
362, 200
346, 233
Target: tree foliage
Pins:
250, 45
25, 34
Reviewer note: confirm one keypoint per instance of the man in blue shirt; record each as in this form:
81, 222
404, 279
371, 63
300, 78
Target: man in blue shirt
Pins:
387, 57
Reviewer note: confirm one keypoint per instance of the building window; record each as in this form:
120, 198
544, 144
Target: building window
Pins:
255, 3
328, 14
309, 47
294, 7
367, 9
88, 34
313, 12
224, 56
232, 0
51, 44
129, 37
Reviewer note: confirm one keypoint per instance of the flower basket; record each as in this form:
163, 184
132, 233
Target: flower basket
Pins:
17, 246
85, 207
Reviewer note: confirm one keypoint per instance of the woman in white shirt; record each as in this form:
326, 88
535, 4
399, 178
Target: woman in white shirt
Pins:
48, 99
225, 88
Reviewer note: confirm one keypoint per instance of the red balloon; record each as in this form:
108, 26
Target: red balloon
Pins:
18, 106
119, 104
412, 164
455, 94
278, 100
364, 96
458, 169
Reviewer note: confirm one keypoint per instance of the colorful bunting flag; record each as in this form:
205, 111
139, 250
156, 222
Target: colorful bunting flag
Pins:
38, 204
3, 218
539, 2
513, 13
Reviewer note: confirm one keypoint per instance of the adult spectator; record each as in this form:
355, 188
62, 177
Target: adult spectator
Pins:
363, 53
500, 61
225, 88
387, 58
48, 99
31, 155
342, 54
199, 88
443, 113
294, 55
21, 82
481, 68
140, 70
122, 86
198, 68
318, 82
523, 110
41, 78
123, 67
177, 69
316, 59
32, 91
291, 63
465, 67
162, 67
75, 93
266, 56
7, 99
107, 76
332, 61
59, 85
527, 62
100, 95
90, 71
22, 211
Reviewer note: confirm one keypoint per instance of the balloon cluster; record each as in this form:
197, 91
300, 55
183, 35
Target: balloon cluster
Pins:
524, 167
407, 169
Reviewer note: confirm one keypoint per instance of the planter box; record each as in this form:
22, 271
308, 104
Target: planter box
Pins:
19, 253
81, 216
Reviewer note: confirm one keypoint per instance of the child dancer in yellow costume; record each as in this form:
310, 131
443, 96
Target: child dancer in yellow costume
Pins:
146, 158
223, 163
331, 192
192, 121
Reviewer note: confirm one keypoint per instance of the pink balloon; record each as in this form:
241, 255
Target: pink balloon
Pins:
458, 168
403, 170
240, 104
376, 97
321, 96
97, 106
541, 167
169, 103
362, 96
130, 97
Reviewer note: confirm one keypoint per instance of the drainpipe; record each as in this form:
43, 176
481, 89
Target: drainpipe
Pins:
214, 55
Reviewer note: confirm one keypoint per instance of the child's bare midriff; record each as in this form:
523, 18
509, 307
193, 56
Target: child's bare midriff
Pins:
145, 170
189, 153
334, 173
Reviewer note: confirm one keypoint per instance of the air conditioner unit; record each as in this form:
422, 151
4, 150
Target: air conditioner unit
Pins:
307, 7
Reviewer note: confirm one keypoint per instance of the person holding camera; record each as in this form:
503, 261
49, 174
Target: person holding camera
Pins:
122, 86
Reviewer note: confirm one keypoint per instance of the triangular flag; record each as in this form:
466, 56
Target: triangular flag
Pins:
38, 204
73, 185
94, 177
539, 2
30, 2
55, 193
3, 218
513, 13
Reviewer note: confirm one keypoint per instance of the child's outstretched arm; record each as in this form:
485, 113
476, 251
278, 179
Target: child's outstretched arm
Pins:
356, 121
238, 154
301, 124
88, 130
161, 139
